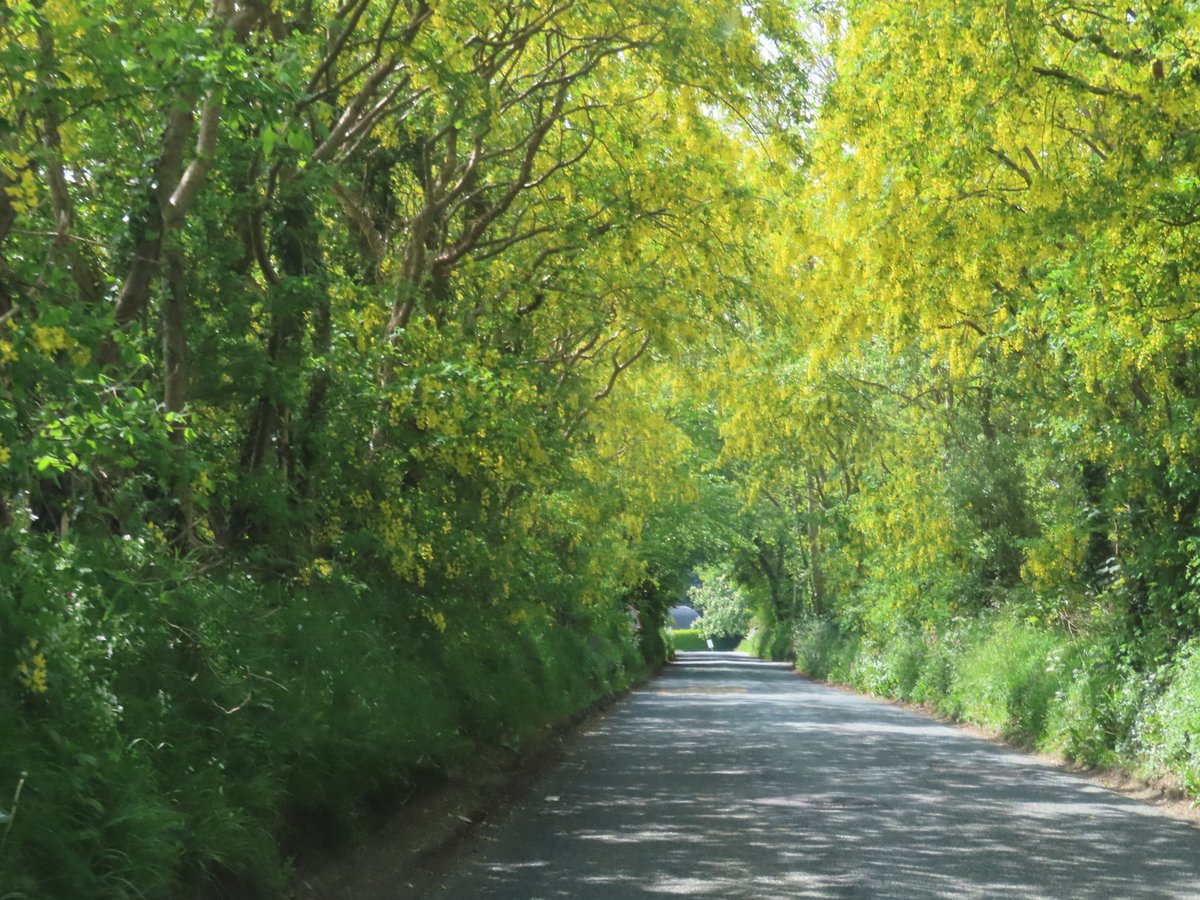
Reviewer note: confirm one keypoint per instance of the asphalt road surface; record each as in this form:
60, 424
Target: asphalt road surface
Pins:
731, 777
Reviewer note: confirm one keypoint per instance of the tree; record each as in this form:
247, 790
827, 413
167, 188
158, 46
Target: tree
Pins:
724, 618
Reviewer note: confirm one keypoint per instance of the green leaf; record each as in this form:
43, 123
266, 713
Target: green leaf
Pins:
300, 140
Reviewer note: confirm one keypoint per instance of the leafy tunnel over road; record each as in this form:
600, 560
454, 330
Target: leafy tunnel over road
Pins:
728, 777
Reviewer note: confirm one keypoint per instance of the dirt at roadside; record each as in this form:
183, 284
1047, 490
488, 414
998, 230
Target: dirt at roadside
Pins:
1165, 793
402, 858
405, 857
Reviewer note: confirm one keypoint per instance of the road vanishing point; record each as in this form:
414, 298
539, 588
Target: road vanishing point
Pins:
728, 776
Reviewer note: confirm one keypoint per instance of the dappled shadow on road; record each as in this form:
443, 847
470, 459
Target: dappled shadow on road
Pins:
729, 777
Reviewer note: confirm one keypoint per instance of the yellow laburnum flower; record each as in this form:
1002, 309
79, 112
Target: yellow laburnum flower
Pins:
34, 673
52, 339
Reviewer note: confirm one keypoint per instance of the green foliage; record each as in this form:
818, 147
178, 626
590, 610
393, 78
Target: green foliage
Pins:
688, 639
1097, 715
722, 608
361, 409
340, 436
967, 443
239, 711
892, 669
773, 641
1029, 684
1168, 730
1007, 677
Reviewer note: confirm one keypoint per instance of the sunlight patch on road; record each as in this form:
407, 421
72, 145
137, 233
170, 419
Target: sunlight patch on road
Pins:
690, 887
872, 727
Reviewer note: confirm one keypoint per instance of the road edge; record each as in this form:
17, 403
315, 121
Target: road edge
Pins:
1165, 793
404, 857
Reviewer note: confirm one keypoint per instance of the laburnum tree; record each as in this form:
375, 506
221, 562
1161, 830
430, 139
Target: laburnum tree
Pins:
988, 362
333, 434
299, 246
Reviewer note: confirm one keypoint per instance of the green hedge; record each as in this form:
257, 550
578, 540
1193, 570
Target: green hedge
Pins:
688, 639
164, 745
1036, 685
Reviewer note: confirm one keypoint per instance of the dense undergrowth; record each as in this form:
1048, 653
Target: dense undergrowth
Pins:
181, 739
1040, 688
688, 639
973, 455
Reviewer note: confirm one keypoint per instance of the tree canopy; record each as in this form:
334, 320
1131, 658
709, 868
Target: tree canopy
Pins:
374, 374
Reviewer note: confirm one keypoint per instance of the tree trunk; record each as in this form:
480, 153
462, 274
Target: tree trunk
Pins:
272, 423
312, 420
814, 552
175, 392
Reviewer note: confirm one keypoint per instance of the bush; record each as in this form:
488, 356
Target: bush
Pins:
1007, 678
890, 668
161, 744
772, 642
944, 649
1026, 682
722, 608
1094, 719
823, 651
1169, 732
1004, 675
689, 639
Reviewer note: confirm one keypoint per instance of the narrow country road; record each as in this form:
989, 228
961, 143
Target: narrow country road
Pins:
731, 777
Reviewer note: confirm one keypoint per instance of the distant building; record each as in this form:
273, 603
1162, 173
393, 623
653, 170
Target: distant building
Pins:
683, 617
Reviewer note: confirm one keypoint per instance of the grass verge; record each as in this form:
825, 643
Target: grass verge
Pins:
1036, 688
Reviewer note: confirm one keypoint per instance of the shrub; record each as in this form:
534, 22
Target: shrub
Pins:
772, 642
1007, 677
1094, 718
890, 667
1169, 732
689, 639
1084, 698
162, 743
823, 651
942, 651
722, 607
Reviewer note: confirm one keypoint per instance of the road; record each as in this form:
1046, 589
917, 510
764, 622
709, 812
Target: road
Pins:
731, 777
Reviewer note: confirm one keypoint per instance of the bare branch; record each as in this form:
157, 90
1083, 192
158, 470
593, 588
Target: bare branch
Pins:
475, 230
387, 107
618, 368
177, 191
1076, 81
351, 114
1097, 41
1010, 164
259, 243
180, 199
355, 8
361, 220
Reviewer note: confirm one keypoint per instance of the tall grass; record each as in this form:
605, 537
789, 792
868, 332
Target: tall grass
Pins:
1038, 686
162, 744
1168, 731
